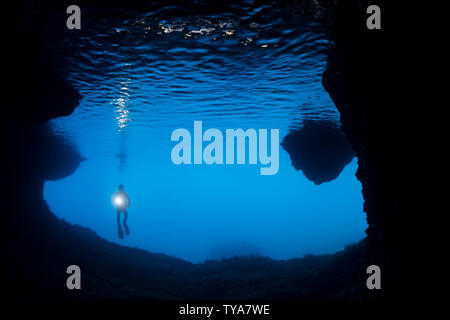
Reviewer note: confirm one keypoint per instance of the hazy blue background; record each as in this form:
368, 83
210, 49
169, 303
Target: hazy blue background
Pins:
142, 79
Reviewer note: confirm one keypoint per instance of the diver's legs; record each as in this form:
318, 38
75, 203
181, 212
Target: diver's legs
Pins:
125, 226
119, 227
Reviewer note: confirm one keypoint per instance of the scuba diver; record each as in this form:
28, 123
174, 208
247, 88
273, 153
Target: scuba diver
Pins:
122, 201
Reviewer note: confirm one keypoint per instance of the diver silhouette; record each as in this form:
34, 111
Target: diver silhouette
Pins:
122, 201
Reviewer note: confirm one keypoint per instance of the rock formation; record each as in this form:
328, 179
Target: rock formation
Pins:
319, 149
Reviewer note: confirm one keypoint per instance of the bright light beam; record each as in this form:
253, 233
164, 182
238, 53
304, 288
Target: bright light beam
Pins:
119, 201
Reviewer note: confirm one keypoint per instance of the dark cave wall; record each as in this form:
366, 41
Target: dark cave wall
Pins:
365, 68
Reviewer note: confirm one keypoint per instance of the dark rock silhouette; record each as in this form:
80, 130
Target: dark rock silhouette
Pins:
370, 80
46, 94
319, 149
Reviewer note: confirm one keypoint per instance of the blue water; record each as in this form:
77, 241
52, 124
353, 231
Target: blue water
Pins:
142, 78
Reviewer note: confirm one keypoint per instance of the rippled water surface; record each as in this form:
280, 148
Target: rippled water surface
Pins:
145, 75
